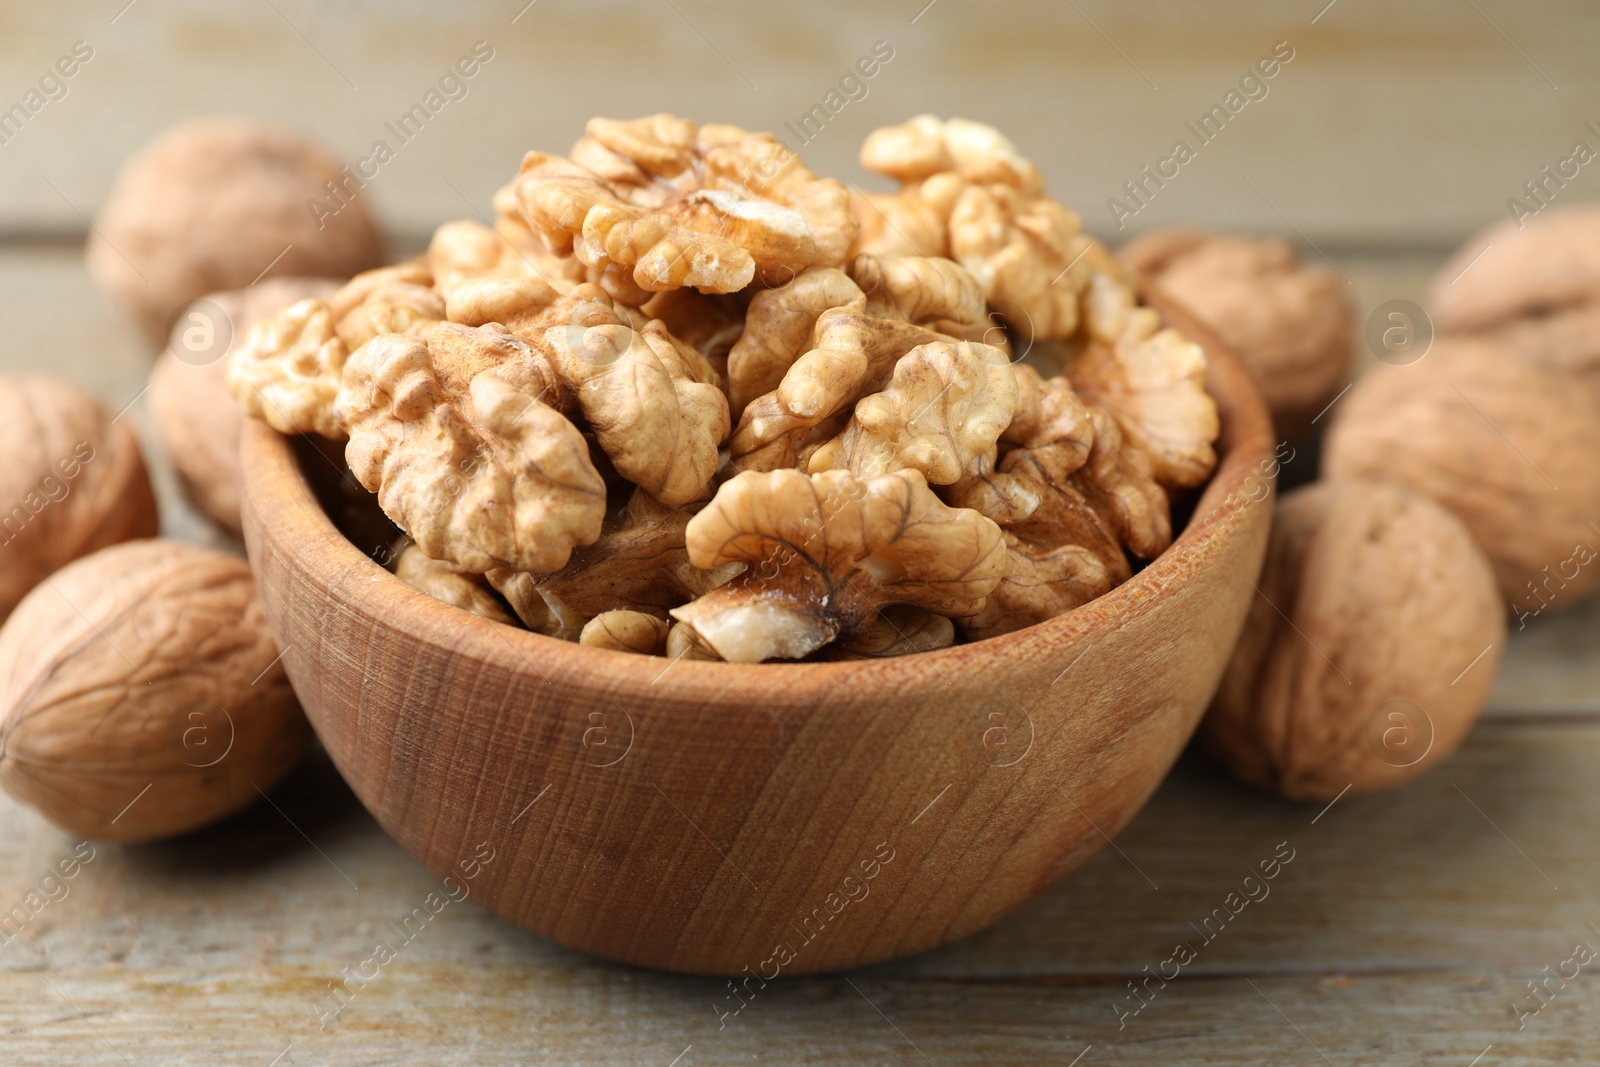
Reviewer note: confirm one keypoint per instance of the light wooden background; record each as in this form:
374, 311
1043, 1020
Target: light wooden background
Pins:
1407, 925
1397, 124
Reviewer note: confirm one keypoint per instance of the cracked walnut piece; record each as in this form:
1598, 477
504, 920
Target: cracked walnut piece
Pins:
397, 299
825, 552
1152, 381
1070, 501
898, 630
626, 631
946, 404
937, 296
813, 348
449, 584
289, 368
640, 563
486, 476
648, 400
968, 194
664, 204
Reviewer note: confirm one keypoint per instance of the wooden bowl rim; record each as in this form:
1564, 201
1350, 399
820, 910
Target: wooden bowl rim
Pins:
318, 547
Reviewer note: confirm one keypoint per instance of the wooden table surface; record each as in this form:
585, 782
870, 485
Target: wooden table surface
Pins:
1405, 929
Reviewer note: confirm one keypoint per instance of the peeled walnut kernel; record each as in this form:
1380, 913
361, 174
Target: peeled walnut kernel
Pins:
1385, 649
289, 369
817, 356
945, 405
779, 328
486, 476
640, 563
656, 417
73, 481
825, 552
143, 695
898, 630
968, 194
195, 419
672, 205
683, 642
464, 252
626, 631
1291, 323
1152, 381
1507, 446
213, 205
1071, 504
360, 289
458, 588
393, 307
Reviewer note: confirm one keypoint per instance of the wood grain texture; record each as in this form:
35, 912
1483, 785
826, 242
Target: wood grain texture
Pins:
1402, 932
1394, 124
715, 818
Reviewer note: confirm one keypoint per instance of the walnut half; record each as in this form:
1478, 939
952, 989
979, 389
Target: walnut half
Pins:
824, 552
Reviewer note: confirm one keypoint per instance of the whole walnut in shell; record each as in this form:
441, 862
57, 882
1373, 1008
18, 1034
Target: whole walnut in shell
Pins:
143, 695
196, 421
213, 205
1507, 446
1533, 285
1291, 324
1370, 650
73, 481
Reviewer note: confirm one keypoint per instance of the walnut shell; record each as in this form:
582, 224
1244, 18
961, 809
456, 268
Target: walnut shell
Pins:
196, 421
1291, 324
1532, 284
142, 695
1372, 673
73, 481
1507, 446
212, 205
1531, 267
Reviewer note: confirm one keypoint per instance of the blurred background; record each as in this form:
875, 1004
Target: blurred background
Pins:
1395, 126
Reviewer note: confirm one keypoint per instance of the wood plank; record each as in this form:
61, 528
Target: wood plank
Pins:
1415, 878
1404, 927
1391, 125
467, 1013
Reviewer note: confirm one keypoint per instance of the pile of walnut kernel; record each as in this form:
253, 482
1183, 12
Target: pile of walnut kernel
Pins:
688, 398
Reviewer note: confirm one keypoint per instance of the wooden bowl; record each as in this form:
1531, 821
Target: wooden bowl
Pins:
726, 819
